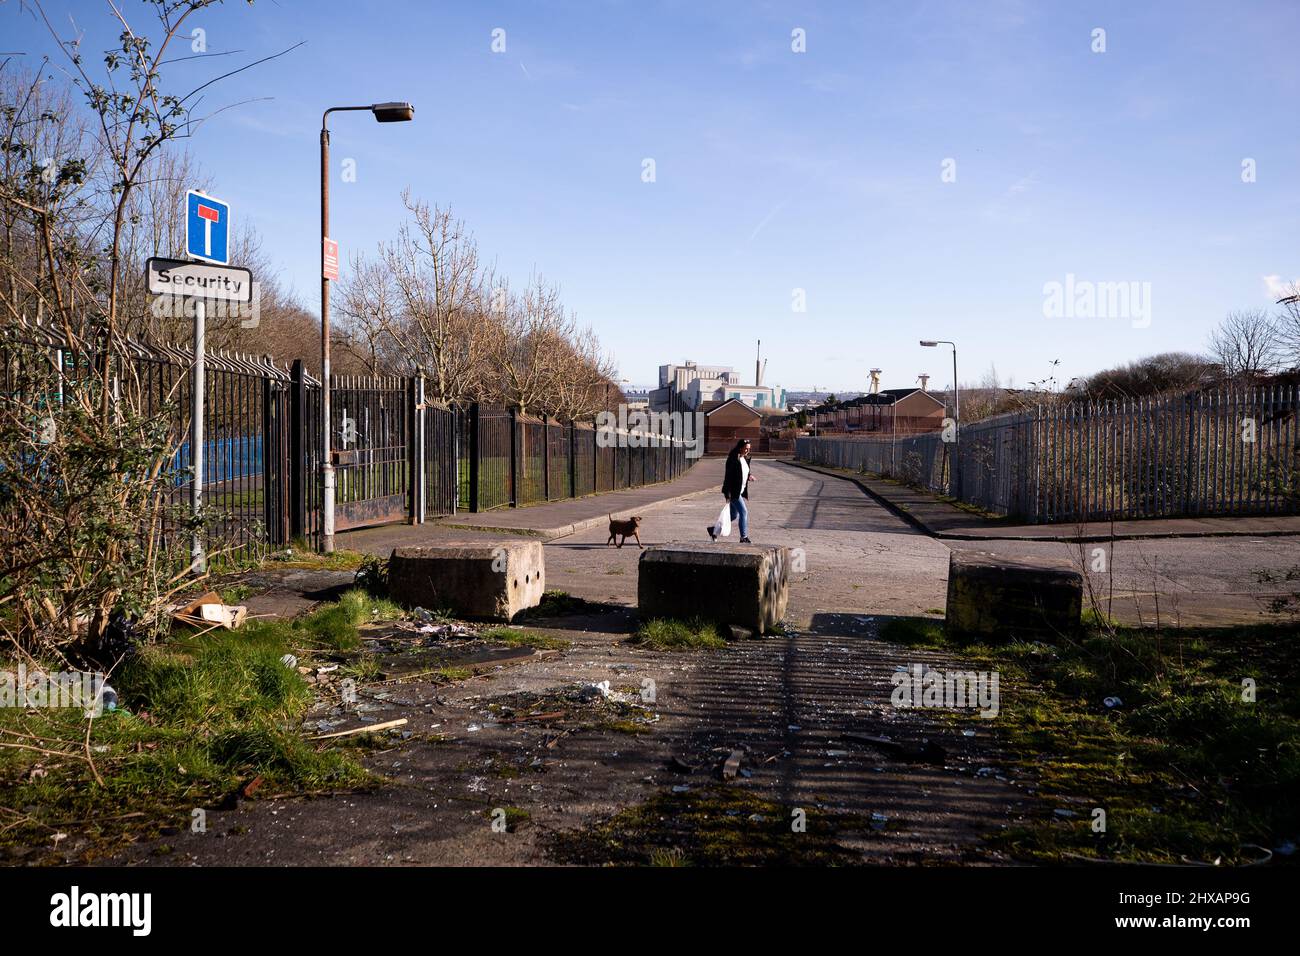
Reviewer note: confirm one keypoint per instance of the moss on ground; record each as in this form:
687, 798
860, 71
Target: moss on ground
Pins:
714, 825
1185, 765
514, 637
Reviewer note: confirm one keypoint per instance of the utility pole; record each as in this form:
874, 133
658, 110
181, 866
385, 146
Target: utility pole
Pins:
383, 113
954, 471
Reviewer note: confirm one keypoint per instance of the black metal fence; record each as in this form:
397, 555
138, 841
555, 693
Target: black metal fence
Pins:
397, 457
514, 459
246, 426
1231, 452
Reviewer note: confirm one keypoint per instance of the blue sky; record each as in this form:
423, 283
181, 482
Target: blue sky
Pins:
777, 171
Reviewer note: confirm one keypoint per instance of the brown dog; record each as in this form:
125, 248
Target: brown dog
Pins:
623, 527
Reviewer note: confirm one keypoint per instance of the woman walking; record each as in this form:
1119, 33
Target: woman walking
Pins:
735, 488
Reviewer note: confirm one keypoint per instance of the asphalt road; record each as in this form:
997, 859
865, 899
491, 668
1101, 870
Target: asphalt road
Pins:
857, 556
860, 558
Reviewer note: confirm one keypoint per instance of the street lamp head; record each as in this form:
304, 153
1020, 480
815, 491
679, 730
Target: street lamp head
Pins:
393, 112
928, 344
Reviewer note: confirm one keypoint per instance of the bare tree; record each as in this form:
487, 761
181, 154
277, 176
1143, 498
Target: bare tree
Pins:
1246, 343
424, 302
585, 384
1288, 325
528, 348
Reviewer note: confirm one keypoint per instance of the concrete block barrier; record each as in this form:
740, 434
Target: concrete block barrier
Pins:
995, 599
475, 580
727, 583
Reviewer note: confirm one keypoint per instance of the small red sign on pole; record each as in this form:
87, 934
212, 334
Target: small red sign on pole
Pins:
330, 260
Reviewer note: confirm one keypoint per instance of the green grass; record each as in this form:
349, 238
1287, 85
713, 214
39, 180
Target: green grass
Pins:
335, 626
516, 638
236, 593
913, 631
1184, 767
300, 555
201, 712
199, 716
668, 634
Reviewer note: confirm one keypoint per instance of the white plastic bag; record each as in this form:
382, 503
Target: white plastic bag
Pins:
723, 525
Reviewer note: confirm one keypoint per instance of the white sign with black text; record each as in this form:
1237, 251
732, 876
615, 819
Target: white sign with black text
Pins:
220, 283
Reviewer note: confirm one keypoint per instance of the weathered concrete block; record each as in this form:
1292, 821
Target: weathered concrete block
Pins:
995, 599
727, 583
490, 581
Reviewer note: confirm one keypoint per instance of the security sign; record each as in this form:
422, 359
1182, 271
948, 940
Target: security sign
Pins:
207, 228
198, 280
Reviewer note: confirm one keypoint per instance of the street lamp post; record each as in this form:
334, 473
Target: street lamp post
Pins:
956, 410
384, 113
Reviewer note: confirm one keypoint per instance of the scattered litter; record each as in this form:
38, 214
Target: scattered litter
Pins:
681, 788
290, 662
968, 733
1063, 813
1113, 702
369, 728
837, 753
793, 728
251, 787
592, 691
878, 821
731, 766
330, 669
478, 785
208, 609
105, 695
473, 728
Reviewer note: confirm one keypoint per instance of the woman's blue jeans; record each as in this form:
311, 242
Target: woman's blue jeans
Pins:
740, 512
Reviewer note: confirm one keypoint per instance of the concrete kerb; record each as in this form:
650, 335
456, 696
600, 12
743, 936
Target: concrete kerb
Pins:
562, 531
994, 535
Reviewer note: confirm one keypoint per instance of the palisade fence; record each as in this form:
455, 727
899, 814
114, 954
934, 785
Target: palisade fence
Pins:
1231, 452
398, 457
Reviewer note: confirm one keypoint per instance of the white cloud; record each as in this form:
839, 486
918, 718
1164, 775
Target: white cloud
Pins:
1277, 287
